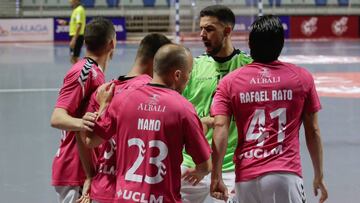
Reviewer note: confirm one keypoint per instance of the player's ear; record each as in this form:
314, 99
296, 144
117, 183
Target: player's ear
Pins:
227, 30
112, 43
177, 74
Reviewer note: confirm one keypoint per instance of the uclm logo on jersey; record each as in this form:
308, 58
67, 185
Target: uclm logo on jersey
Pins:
339, 27
139, 196
309, 27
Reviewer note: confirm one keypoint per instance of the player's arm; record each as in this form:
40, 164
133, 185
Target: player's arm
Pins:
71, 98
91, 140
196, 146
219, 145
314, 145
195, 175
204, 167
104, 96
207, 123
87, 162
61, 119
85, 153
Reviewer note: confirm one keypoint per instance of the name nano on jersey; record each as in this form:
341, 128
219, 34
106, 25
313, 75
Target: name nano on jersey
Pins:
103, 185
150, 141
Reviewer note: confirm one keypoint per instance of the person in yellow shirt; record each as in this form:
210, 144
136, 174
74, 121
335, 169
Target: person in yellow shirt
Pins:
76, 29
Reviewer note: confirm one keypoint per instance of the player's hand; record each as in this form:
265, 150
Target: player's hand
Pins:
88, 121
193, 176
207, 122
85, 198
61, 21
319, 184
218, 189
86, 186
72, 43
105, 93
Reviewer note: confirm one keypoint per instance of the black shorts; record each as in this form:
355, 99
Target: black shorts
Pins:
78, 45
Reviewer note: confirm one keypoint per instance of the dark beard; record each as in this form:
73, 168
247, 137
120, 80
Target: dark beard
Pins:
215, 51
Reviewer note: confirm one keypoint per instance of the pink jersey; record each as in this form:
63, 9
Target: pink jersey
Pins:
104, 183
79, 83
151, 124
267, 102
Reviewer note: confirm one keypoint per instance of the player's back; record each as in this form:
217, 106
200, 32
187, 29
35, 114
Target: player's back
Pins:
151, 130
267, 101
79, 83
121, 84
104, 183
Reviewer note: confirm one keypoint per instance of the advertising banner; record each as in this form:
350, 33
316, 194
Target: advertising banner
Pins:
243, 23
120, 27
30, 30
285, 20
324, 27
61, 32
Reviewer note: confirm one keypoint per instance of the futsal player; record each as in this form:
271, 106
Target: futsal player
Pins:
151, 125
79, 83
269, 100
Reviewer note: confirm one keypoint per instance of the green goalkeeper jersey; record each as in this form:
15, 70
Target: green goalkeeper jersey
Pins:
205, 76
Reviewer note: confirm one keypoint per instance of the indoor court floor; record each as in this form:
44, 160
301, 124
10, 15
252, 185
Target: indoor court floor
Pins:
31, 74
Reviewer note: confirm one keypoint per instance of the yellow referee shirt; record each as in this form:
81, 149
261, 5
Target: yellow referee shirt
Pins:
77, 16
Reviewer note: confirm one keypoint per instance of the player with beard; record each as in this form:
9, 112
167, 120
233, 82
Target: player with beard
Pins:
269, 100
216, 26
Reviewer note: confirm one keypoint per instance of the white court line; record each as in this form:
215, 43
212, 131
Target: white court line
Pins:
29, 90
319, 59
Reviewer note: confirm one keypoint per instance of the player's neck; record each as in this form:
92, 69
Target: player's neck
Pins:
226, 51
76, 5
140, 68
102, 61
159, 81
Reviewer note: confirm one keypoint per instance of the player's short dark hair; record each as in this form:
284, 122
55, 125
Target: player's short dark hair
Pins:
266, 39
222, 13
98, 32
150, 44
171, 57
